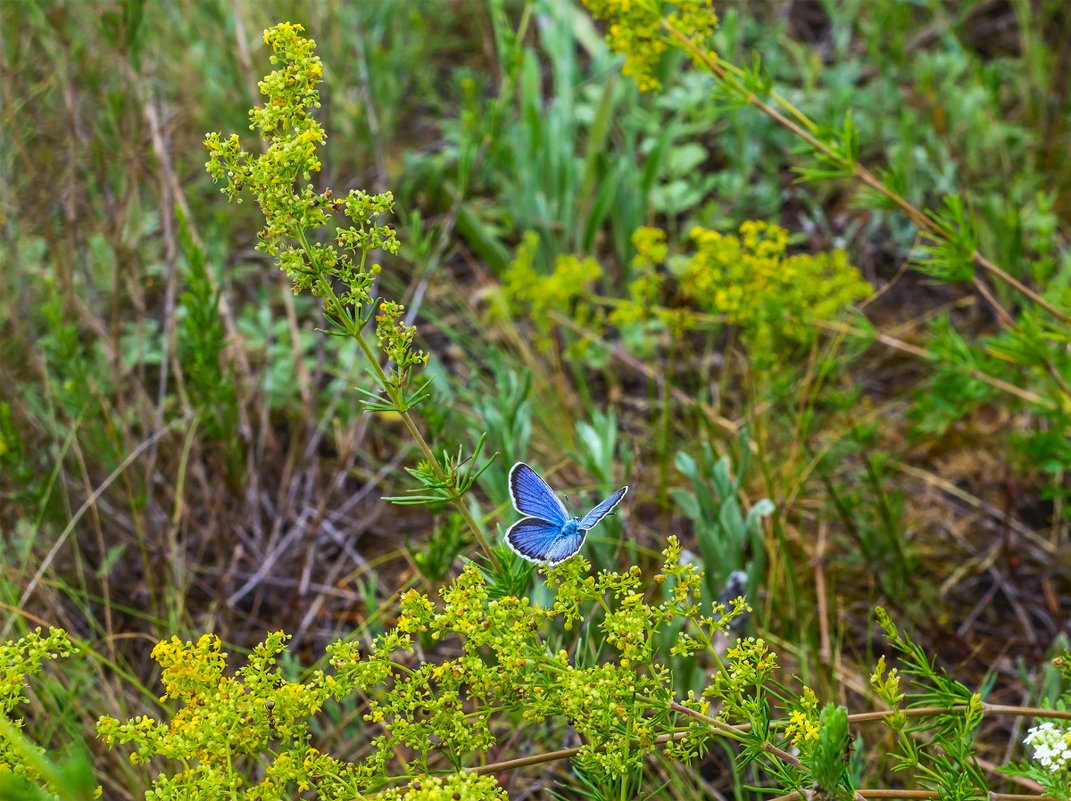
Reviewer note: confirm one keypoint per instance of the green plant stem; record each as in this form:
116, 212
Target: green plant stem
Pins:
551, 756
352, 328
928, 711
720, 725
725, 728
991, 709
736, 731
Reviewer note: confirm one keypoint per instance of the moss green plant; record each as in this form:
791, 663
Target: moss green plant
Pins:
445, 712
750, 281
430, 721
19, 661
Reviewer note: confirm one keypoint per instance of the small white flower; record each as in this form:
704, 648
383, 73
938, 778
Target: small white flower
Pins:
1052, 746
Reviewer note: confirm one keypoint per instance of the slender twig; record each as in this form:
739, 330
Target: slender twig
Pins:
922, 353
564, 753
353, 328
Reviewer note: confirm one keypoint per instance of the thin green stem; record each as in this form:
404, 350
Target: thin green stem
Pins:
351, 325
551, 756
721, 726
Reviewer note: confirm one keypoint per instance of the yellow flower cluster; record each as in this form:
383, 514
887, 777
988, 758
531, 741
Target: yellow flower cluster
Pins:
19, 660
803, 722
448, 788
750, 281
563, 291
650, 244
190, 670
636, 29
747, 279
297, 216
645, 291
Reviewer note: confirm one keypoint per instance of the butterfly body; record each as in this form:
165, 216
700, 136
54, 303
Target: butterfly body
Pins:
549, 534
571, 528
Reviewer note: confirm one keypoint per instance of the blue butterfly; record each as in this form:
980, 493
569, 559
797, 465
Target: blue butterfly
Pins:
549, 534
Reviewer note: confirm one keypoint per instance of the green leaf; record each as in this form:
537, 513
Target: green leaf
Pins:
829, 763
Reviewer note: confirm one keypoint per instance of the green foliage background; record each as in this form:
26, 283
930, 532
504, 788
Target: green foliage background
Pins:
831, 354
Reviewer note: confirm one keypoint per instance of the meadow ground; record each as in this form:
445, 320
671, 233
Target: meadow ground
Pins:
796, 273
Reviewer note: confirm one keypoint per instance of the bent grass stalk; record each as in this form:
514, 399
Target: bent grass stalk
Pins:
929, 224
396, 397
728, 73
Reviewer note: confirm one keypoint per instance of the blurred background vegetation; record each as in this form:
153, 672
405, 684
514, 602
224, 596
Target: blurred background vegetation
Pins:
181, 451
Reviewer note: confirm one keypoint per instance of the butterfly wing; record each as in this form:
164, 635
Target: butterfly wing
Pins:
565, 545
531, 496
599, 512
534, 539
548, 534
